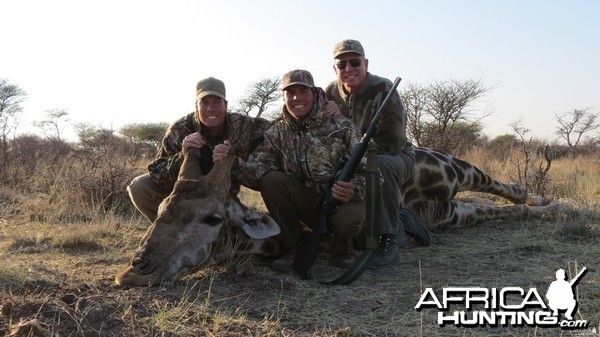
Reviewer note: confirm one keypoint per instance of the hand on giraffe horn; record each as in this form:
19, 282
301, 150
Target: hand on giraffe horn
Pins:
194, 140
221, 151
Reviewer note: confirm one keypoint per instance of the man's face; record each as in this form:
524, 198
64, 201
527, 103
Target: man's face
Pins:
351, 70
298, 101
211, 111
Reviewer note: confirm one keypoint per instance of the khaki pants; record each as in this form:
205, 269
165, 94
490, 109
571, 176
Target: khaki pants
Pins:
290, 201
146, 195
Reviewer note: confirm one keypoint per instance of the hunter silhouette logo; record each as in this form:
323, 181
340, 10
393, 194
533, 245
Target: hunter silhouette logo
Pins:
508, 306
560, 293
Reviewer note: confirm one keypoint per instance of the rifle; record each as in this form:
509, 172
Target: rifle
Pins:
307, 252
578, 276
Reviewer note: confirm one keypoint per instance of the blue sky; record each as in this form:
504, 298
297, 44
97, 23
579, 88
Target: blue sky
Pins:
111, 63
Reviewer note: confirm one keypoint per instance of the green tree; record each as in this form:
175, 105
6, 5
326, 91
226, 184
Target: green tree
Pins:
504, 141
145, 133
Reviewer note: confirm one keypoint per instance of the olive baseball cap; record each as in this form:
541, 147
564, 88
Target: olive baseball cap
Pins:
348, 46
297, 77
210, 86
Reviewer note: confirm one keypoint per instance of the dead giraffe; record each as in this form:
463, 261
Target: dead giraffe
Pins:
201, 224
198, 224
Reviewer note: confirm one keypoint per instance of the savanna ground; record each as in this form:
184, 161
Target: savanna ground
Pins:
56, 277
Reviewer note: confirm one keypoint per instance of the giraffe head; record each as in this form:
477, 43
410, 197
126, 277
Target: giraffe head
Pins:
198, 224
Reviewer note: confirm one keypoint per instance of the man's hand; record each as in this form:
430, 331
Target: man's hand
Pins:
194, 140
342, 191
221, 151
331, 109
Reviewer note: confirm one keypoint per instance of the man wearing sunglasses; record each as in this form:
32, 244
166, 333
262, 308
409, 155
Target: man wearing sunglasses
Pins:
358, 95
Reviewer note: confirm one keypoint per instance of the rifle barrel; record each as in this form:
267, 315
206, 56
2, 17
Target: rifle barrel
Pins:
578, 276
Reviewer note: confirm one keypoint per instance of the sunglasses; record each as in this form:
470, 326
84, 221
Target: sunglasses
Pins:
353, 62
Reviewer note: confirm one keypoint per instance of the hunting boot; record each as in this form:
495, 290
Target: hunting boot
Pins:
342, 252
386, 253
401, 236
412, 228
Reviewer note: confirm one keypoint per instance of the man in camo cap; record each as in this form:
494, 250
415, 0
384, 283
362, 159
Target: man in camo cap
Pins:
213, 130
358, 94
293, 166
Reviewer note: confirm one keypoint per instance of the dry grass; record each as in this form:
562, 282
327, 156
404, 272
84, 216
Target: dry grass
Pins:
578, 179
575, 179
59, 277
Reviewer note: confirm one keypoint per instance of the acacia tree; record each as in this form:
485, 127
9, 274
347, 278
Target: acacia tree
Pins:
573, 125
440, 113
11, 97
145, 133
146, 137
259, 96
52, 126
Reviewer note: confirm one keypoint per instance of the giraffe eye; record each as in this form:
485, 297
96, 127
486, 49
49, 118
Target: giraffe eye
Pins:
213, 219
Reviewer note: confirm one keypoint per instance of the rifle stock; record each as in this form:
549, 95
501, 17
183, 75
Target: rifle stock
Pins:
307, 252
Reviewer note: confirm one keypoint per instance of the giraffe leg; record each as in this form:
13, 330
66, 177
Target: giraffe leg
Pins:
457, 214
475, 180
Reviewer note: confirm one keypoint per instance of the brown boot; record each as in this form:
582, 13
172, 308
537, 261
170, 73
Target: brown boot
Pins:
343, 252
284, 263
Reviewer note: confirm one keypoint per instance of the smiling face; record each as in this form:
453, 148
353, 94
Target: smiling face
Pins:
351, 70
211, 111
299, 101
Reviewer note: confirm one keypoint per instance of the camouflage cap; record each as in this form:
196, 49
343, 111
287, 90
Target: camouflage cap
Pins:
297, 77
348, 46
210, 86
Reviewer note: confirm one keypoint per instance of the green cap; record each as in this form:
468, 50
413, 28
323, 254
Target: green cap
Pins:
297, 77
348, 46
210, 86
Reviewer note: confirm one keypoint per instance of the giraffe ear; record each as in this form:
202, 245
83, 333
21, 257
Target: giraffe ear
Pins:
259, 225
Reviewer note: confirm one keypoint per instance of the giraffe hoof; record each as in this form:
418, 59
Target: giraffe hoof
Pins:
535, 200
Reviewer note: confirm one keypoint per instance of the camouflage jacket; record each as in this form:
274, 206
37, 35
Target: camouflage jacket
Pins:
360, 107
245, 134
312, 152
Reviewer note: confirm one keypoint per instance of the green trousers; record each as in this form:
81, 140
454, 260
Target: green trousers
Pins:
291, 204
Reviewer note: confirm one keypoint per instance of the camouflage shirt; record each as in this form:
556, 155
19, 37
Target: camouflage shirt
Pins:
312, 152
245, 134
360, 107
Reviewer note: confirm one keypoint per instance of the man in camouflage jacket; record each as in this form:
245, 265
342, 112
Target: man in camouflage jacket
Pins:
358, 94
294, 165
209, 128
